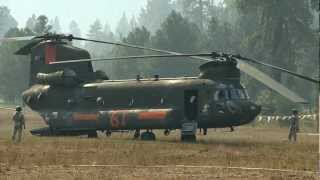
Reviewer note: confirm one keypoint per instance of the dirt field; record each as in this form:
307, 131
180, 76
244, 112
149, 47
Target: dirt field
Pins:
220, 155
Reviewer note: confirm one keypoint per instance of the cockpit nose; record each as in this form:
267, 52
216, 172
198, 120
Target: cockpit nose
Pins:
255, 109
251, 110
235, 101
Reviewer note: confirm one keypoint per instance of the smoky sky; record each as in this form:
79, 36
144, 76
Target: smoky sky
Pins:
84, 12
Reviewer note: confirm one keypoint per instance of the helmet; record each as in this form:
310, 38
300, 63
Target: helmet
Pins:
18, 108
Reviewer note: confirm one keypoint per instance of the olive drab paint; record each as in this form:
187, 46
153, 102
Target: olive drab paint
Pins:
74, 100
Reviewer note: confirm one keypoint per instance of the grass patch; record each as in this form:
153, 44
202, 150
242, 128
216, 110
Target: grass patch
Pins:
52, 158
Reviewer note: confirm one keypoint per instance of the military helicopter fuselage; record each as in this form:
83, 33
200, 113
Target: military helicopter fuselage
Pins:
142, 104
74, 100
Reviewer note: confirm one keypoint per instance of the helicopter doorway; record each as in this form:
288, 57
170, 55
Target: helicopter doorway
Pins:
191, 105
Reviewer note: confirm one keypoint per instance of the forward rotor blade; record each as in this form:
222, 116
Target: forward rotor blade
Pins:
269, 82
7, 108
134, 58
199, 58
279, 69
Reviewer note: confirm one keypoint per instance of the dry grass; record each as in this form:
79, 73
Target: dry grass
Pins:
52, 158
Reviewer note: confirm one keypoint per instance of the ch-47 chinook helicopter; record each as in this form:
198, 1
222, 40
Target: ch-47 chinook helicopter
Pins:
74, 100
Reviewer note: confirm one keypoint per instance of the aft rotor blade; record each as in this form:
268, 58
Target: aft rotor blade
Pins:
198, 58
14, 39
25, 50
269, 82
279, 69
133, 58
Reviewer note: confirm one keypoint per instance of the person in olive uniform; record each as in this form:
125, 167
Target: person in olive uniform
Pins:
294, 126
19, 123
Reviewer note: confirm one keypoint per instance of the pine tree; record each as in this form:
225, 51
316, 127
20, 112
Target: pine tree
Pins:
180, 35
96, 32
281, 33
107, 28
129, 69
31, 22
42, 26
198, 11
154, 14
123, 27
56, 28
75, 31
74, 28
14, 72
6, 21
133, 23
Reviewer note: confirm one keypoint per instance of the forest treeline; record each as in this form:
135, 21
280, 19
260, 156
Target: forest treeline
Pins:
279, 32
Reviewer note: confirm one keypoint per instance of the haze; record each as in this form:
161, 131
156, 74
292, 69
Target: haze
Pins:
83, 12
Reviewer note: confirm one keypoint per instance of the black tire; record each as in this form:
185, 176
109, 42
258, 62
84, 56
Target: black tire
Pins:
152, 136
148, 136
166, 132
108, 133
205, 132
136, 134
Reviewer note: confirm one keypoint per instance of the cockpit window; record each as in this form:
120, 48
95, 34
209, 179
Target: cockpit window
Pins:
242, 95
226, 94
234, 94
238, 94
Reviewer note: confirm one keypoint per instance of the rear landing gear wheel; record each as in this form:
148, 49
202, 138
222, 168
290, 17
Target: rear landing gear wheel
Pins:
148, 136
188, 138
93, 134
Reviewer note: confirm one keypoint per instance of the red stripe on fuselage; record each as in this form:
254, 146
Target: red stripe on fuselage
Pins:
85, 117
50, 53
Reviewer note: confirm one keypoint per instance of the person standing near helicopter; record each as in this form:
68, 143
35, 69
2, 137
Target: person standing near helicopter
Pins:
19, 123
294, 125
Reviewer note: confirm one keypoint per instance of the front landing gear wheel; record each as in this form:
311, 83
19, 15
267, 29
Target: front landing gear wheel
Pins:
188, 138
205, 131
148, 136
166, 132
93, 134
108, 133
136, 134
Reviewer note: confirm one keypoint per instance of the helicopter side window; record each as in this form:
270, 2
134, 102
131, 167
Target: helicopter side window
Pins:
71, 102
238, 94
100, 101
221, 95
